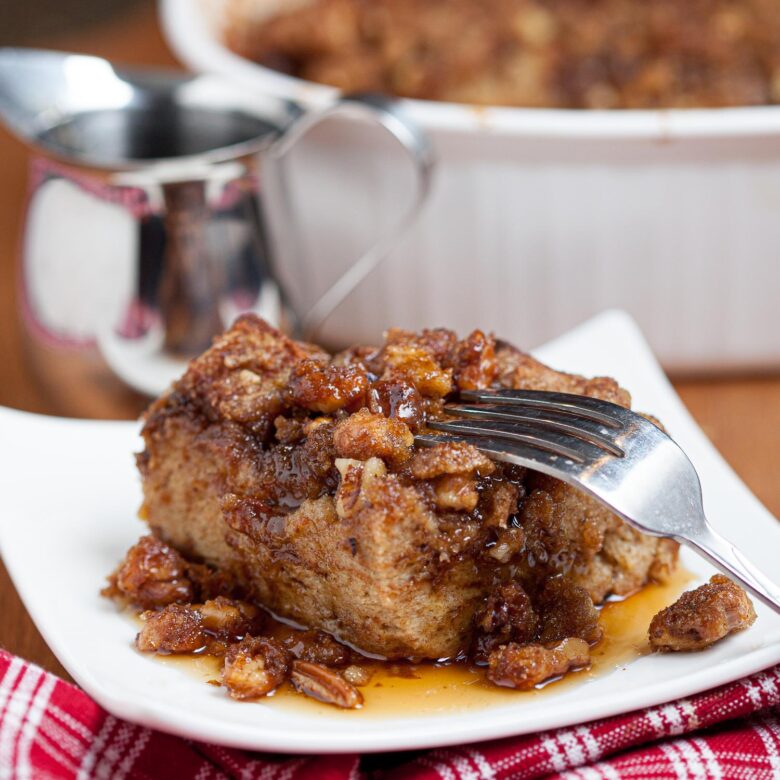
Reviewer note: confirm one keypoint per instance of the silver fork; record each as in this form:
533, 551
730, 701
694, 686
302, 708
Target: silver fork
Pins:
616, 455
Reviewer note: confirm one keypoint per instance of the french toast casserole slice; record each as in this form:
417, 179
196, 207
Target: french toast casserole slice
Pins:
295, 473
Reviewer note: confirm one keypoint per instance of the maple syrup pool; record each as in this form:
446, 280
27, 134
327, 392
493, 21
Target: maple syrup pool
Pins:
439, 689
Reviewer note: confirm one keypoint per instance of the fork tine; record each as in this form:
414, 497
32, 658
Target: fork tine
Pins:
581, 428
512, 451
611, 415
559, 445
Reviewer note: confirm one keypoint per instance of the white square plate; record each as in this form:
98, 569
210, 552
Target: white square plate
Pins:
68, 500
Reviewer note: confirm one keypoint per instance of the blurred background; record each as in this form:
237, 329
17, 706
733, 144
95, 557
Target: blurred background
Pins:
127, 30
28, 23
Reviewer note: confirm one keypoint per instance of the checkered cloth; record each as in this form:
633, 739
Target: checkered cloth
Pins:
50, 729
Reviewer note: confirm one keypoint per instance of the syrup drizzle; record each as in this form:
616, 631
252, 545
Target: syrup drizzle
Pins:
439, 689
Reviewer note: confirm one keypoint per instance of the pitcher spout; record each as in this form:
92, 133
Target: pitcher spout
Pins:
41, 90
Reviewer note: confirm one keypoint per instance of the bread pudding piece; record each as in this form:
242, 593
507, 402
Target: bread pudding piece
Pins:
701, 617
551, 53
295, 474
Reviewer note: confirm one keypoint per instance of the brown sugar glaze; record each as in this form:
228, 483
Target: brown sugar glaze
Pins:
429, 689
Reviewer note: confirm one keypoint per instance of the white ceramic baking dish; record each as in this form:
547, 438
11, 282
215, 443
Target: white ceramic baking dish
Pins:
539, 218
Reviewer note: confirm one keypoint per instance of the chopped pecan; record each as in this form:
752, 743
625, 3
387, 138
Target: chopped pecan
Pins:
360, 354
440, 342
525, 666
173, 629
397, 398
456, 491
228, 618
254, 667
325, 685
365, 435
355, 476
702, 616
311, 426
151, 575
455, 457
184, 628
327, 388
475, 362
417, 365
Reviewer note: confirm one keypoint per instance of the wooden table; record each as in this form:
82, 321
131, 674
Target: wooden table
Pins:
740, 414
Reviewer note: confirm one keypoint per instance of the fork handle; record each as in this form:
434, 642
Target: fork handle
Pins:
724, 556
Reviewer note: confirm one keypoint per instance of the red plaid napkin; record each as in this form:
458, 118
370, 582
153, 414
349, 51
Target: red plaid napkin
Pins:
50, 729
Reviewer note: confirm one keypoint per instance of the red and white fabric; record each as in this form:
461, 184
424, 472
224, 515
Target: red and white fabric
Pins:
51, 730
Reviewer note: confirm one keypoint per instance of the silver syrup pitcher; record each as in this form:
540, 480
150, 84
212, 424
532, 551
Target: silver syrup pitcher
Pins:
145, 230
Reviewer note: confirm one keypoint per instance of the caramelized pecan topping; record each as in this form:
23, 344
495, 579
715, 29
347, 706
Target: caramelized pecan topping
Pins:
365, 435
152, 575
176, 628
525, 666
475, 362
229, 619
702, 617
254, 667
397, 398
419, 366
327, 388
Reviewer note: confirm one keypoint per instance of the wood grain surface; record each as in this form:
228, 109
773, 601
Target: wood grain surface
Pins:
740, 414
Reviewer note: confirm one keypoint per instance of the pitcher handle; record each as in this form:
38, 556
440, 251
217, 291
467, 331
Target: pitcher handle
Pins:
415, 142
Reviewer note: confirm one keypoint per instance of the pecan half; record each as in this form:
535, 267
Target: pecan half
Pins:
325, 685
